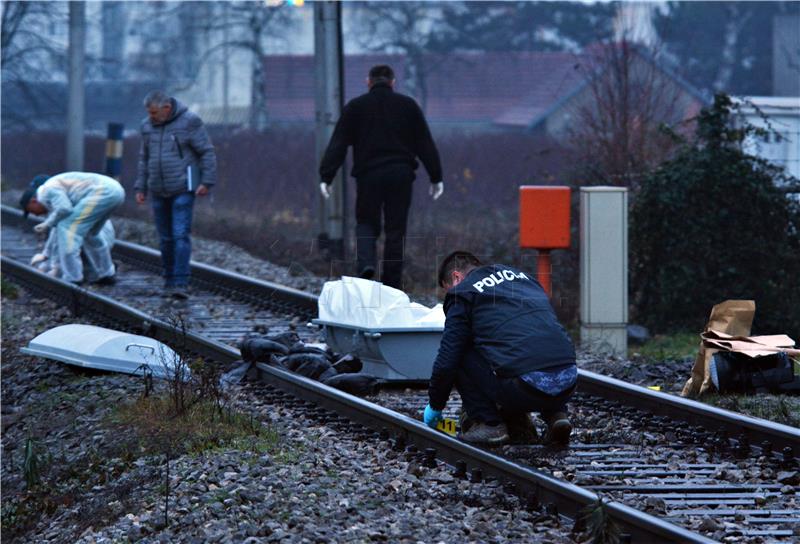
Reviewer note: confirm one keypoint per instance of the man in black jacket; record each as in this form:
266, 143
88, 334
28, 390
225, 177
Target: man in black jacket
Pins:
504, 351
388, 132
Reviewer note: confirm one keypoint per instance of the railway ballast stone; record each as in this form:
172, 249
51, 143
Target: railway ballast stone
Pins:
326, 485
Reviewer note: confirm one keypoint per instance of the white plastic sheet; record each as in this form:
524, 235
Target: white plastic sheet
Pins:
372, 305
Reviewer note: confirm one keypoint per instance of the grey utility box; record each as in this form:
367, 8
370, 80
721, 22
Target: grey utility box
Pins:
604, 269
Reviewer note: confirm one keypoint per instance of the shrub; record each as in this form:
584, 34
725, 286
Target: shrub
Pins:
8, 289
710, 225
30, 466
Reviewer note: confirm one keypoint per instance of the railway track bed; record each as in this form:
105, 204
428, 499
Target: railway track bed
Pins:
706, 480
326, 480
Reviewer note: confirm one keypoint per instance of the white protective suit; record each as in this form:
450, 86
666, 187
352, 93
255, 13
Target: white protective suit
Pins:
79, 204
48, 260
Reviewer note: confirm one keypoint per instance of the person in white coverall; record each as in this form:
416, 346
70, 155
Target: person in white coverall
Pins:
78, 204
48, 261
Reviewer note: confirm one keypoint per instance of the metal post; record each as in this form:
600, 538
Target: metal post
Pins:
329, 95
114, 150
544, 270
225, 66
75, 107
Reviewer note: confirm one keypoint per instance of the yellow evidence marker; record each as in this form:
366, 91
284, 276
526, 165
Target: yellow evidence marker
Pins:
447, 426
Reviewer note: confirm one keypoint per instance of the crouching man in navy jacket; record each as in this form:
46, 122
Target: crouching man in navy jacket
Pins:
504, 351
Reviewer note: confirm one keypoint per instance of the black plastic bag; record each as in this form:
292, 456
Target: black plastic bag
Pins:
348, 364
288, 339
733, 372
361, 385
315, 368
259, 350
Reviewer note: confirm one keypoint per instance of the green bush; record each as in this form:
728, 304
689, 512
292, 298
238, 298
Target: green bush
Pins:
710, 225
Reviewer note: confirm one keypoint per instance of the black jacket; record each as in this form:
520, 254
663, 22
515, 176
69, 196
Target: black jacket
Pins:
506, 317
384, 127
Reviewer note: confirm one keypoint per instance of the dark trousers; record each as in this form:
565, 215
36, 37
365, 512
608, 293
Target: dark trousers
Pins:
383, 193
487, 398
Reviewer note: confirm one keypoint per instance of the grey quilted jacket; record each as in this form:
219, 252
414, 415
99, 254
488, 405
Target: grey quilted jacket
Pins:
175, 156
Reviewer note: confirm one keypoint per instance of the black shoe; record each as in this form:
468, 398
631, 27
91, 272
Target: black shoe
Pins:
368, 273
106, 280
558, 428
521, 428
180, 292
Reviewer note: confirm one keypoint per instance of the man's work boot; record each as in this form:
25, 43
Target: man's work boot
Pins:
521, 428
180, 292
106, 280
483, 434
464, 421
558, 428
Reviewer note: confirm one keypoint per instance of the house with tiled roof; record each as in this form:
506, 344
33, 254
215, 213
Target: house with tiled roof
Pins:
536, 91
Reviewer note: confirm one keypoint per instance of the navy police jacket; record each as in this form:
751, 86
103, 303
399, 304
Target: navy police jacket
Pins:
505, 316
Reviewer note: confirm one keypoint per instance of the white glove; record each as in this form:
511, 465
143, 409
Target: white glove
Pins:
41, 227
436, 189
323, 189
38, 258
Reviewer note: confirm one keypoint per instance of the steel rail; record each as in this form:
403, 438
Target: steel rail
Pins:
568, 499
84, 302
694, 412
258, 290
660, 404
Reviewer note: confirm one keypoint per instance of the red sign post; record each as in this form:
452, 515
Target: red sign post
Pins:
544, 214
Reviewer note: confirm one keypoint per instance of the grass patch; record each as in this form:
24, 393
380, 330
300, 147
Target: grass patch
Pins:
667, 347
202, 427
8, 289
777, 408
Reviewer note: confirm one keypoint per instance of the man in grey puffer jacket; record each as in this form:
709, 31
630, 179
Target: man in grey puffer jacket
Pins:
176, 162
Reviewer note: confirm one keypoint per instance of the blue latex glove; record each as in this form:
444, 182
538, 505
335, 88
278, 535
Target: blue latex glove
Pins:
431, 417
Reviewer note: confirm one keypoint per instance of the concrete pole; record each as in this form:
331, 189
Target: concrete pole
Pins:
329, 95
75, 107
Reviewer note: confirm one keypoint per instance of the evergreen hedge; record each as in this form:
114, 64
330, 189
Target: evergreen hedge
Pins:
711, 225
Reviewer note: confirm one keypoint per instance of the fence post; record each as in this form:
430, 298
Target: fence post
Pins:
114, 150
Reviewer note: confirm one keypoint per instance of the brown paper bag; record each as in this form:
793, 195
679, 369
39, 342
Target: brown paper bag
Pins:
732, 317
752, 346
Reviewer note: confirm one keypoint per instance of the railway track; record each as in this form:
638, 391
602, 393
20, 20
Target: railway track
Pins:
646, 459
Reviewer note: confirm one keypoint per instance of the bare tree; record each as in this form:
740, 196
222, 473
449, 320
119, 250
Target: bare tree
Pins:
407, 28
26, 35
734, 25
30, 52
616, 122
161, 56
250, 26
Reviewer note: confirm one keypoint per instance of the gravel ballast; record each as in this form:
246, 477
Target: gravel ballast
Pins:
328, 481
